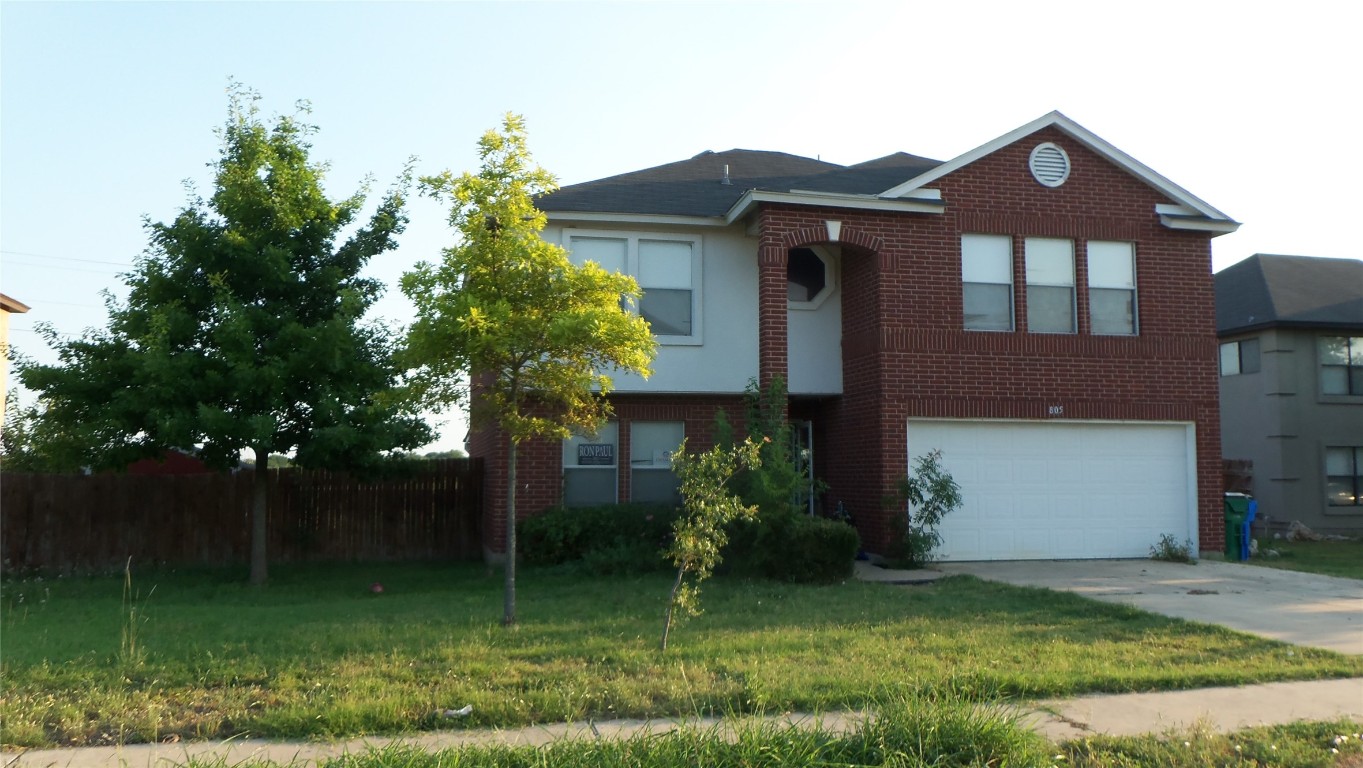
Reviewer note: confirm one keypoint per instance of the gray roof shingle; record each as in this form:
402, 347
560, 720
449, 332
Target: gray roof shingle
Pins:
1302, 291
694, 187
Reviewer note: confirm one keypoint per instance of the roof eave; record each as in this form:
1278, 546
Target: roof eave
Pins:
607, 217
753, 197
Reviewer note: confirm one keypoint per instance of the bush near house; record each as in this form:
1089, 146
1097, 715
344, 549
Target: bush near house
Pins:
630, 538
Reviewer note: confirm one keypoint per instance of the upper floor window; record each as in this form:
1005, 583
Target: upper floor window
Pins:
1240, 357
1341, 365
1050, 285
1344, 477
987, 282
810, 277
668, 268
1112, 287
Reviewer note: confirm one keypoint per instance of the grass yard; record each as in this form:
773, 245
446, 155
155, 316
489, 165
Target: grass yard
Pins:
202, 655
1332, 558
945, 736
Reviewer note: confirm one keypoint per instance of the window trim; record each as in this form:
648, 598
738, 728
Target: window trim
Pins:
613, 468
1072, 286
1348, 395
1239, 345
635, 465
1012, 291
830, 275
1356, 459
632, 239
1134, 288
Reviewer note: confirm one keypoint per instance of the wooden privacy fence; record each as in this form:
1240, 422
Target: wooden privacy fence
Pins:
96, 522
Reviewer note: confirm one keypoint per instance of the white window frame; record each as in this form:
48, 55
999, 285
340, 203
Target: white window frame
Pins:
571, 461
1352, 477
1012, 308
830, 277
631, 240
1353, 348
655, 462
1027, 269
1110, 246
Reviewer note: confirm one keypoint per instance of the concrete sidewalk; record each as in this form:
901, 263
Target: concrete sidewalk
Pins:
1223, 709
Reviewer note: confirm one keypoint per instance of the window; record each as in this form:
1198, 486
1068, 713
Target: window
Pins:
987, 282
651, 444
589, 468
1112, 288
1050, 285
667, 268
1341, 365
810, 277
1344, 477
1240, 357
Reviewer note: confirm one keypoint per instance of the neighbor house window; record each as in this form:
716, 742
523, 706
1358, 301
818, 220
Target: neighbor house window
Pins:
1112, 288
667, 267
987, 282
1239, 357
589, 468
1050, 285
651, 444
1344, 476
1341, 365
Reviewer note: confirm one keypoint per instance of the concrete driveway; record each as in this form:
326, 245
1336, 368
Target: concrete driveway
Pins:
1300, 608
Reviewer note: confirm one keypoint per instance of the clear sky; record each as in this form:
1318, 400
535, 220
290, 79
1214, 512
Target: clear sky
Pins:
107, 108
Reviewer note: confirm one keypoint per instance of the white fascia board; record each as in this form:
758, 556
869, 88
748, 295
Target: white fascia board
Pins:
752, 197
1083, 136
597, 217
1184, 219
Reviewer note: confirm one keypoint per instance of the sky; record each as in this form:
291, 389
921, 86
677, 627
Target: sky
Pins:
108, 109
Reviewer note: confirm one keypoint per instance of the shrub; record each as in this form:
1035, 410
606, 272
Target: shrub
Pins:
921, 501
810, 549
608, 539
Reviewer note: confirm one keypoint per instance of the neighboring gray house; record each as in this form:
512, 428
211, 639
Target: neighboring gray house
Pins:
1291, 331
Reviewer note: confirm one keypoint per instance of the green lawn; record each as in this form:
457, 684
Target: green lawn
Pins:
907, 735
316, 654
1332, 558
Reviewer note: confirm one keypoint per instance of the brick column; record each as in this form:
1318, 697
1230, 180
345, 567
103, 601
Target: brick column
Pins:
772, 352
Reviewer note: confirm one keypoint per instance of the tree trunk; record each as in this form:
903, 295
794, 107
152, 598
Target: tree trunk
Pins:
672, 604
260, 491
509, 594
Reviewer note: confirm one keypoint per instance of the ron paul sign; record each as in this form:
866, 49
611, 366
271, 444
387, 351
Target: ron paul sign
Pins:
595, 455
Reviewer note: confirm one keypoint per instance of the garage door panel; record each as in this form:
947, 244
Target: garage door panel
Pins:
1052, 490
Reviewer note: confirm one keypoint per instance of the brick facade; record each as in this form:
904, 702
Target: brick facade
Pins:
905, 354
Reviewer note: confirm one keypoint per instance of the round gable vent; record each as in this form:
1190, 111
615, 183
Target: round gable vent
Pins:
1050, 165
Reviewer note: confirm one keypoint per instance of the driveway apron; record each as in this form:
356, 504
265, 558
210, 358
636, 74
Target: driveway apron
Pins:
1300, 608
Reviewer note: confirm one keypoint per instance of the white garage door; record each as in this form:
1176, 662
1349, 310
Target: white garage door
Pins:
1062, 490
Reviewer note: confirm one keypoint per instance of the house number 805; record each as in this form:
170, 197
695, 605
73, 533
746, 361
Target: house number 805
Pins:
1055, 410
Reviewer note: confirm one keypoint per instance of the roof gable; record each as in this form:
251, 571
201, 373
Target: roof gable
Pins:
1295, 291
1183, 198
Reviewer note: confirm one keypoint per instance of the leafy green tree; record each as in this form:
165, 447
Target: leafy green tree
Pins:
708, 508
918, 505
508, 310
243, 329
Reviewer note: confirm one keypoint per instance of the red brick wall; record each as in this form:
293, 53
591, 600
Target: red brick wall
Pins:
906, 355
539, 465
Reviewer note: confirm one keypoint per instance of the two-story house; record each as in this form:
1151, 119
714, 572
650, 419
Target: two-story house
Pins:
1039, 308
1291, 331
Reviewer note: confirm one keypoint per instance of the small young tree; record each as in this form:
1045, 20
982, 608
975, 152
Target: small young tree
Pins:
921, 501
243, 329
708, 507
506, 309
